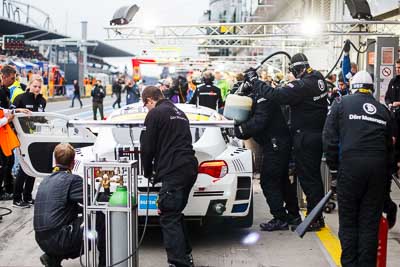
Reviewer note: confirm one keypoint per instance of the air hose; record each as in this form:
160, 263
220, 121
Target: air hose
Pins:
8, 212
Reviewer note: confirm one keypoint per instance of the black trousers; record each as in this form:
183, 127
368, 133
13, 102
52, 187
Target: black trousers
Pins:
98, 106
23, 186
6, 178
117, 101
73, 99
172, 201
307, 151
67, 241
275, 181
360, 192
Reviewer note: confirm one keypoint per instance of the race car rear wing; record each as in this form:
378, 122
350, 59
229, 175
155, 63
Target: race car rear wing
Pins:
140, 123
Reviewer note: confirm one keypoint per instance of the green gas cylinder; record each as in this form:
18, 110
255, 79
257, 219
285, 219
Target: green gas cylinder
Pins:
119, 226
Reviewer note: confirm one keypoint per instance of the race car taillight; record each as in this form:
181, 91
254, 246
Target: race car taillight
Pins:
214, 168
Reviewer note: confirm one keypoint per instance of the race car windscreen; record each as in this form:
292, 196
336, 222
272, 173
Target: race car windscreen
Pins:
123, 137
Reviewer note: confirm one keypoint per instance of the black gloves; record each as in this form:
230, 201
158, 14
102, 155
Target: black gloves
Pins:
238, 131
245, 89
250, 75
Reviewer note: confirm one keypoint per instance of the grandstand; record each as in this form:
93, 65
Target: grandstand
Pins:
45, 51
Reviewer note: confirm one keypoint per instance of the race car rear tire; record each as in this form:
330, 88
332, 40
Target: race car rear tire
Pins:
246, 221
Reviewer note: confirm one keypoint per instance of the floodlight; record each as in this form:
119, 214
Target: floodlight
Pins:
359, 9
124, 15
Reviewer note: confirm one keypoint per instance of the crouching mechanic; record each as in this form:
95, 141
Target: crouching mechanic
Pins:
357, 140
268, 127
168, 142
58, 229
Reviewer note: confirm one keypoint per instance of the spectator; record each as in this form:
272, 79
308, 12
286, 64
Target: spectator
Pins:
392, 96
57, 226
132, 92
332, 78
222, 84
23, 86
278, 79
207, 95
77, 94
15, 89
33, 101
190, 87
392, 100
8, 75
8, 140
178, 91
164, 85
339, 91
98, 95
116, 90
265, 77
239, 82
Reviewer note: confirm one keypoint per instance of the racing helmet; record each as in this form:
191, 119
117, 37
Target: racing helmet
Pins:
361, 80
298, 63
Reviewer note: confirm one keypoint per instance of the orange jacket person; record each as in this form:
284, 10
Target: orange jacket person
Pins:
8, 139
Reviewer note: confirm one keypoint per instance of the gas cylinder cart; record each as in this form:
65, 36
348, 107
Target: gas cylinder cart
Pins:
119, 208
327, 183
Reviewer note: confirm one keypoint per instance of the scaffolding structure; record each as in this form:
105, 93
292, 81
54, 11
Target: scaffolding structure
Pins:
251, 34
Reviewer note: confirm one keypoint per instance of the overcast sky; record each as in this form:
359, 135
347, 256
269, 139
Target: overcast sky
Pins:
67, 15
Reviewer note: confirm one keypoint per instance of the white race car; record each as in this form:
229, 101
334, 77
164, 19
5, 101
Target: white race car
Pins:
224, 184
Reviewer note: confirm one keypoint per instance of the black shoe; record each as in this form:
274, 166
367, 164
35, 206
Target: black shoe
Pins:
21, 204
274, 225
294, 220
30, 201
50, 261
391, 214
189, 258
316, 225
